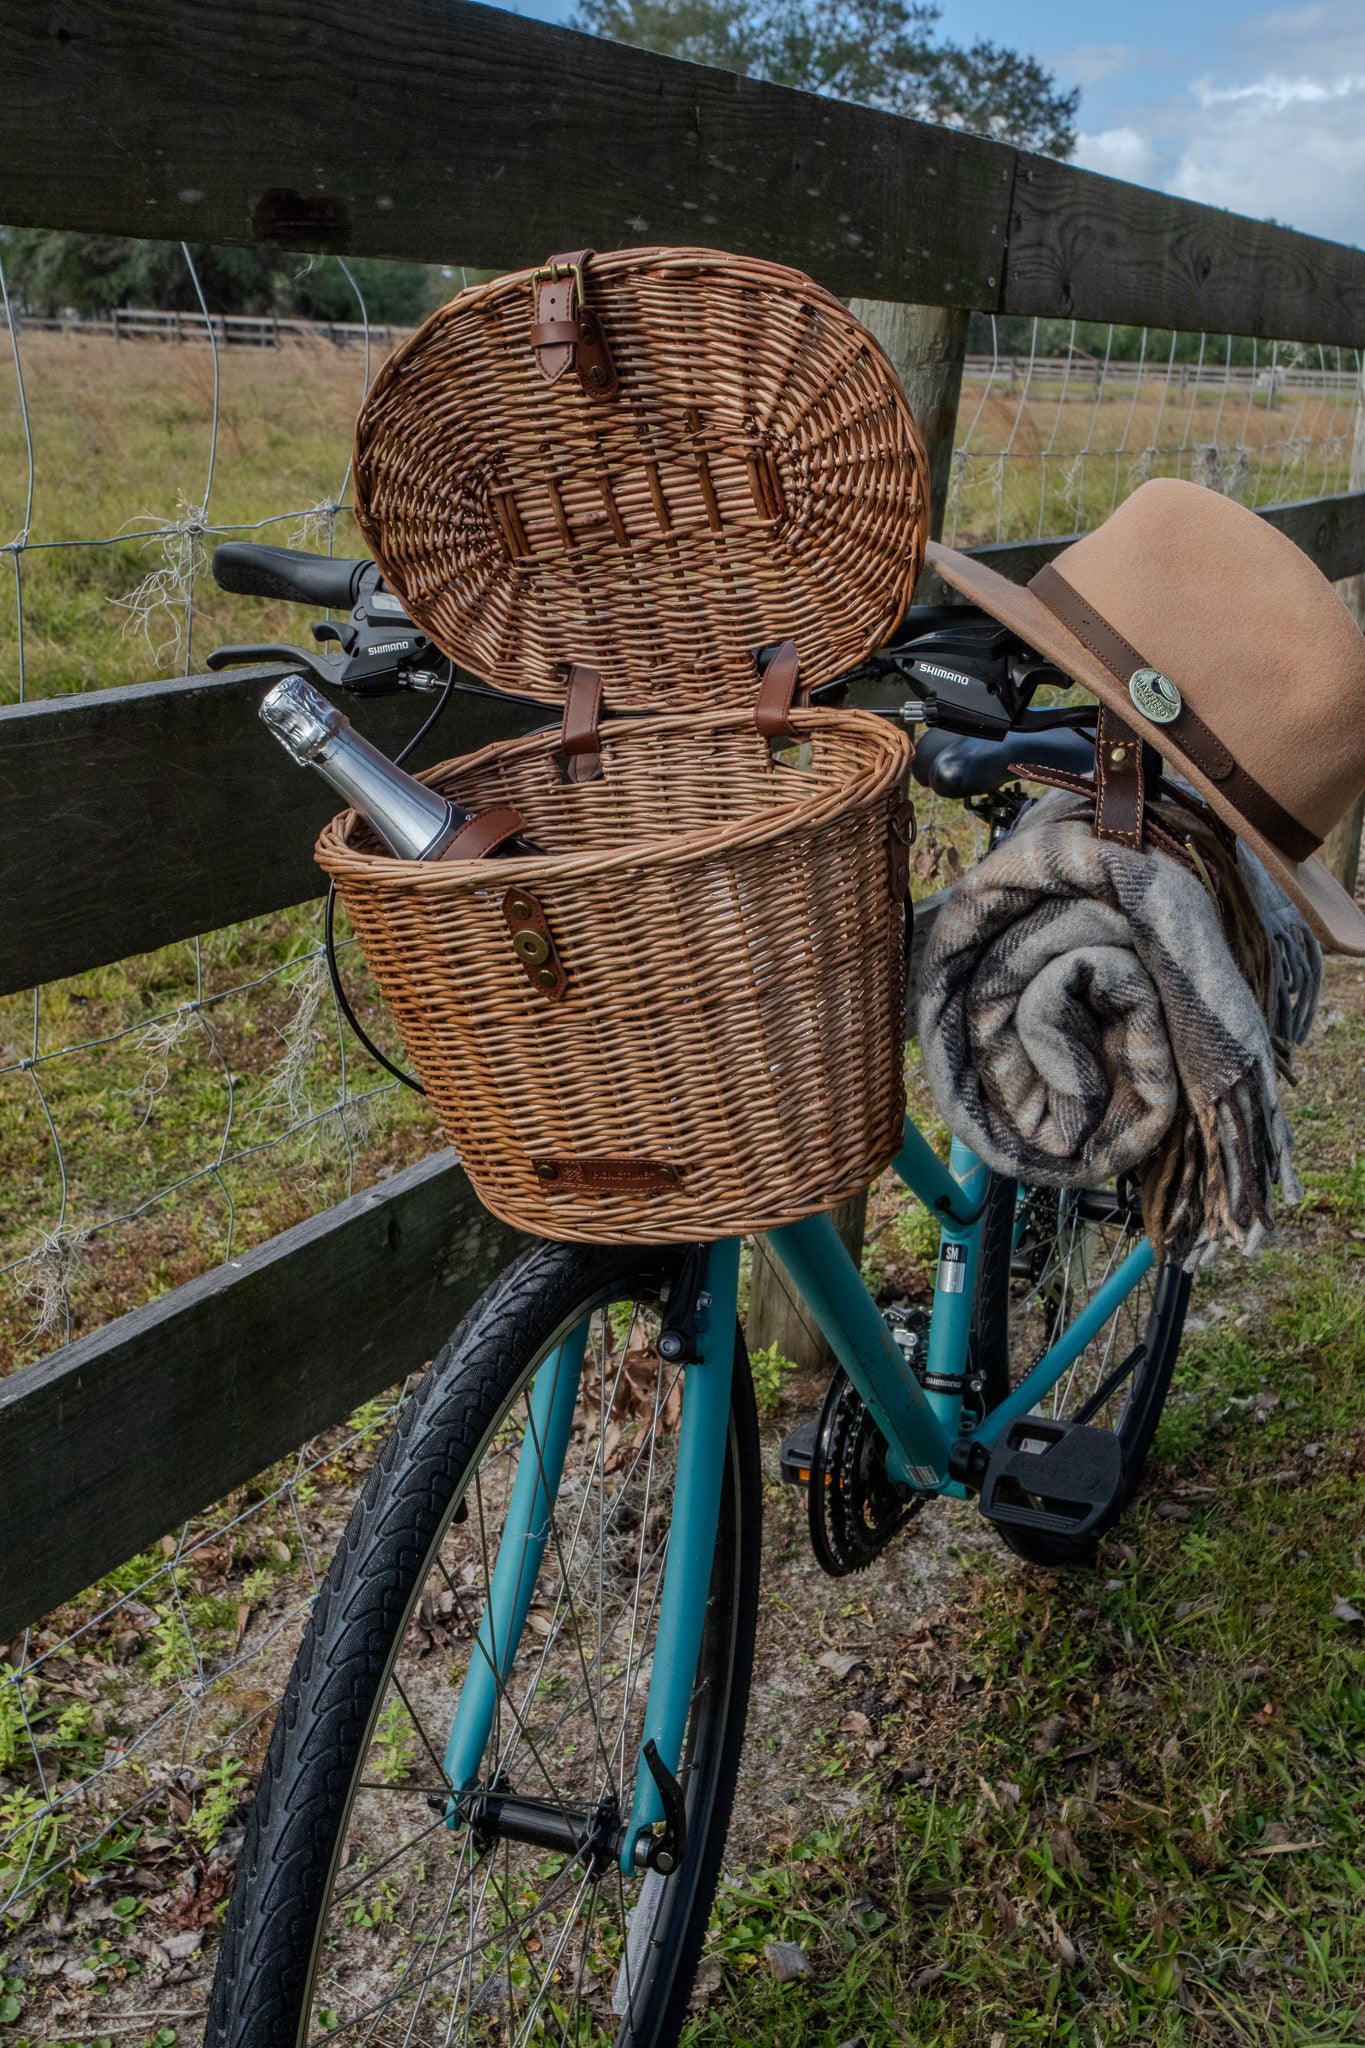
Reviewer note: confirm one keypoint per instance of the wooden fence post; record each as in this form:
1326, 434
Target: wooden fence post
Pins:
926, 345
1341, 848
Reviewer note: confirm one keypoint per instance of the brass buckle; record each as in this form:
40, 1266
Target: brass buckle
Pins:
555, 273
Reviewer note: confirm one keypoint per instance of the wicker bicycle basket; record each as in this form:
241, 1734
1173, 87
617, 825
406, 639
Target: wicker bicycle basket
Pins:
609, 484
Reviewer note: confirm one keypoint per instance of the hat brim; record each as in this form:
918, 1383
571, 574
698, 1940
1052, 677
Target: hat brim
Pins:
1337, 921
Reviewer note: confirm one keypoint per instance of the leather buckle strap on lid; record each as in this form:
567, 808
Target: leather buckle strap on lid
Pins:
1130, 669
778, 691
565, 333
580, 750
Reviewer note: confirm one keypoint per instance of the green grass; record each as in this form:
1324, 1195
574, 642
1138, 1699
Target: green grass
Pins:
1125, 1805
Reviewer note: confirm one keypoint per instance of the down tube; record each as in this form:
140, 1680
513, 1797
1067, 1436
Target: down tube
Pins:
703, 1436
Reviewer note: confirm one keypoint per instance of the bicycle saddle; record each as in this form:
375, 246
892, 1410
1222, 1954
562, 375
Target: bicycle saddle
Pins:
956, 767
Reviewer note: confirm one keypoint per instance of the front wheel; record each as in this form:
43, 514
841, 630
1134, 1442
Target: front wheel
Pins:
359, 1913
1044, 1254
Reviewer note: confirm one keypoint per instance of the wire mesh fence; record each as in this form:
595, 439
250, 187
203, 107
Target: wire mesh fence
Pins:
1050, 444
159, 1115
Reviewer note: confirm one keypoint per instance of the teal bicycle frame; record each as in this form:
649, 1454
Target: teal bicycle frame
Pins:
921, 1424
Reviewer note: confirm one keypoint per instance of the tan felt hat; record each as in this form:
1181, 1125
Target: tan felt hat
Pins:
1218, 641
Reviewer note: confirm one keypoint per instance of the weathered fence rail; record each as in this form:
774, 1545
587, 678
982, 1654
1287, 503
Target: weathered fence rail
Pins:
227, 330
133, 817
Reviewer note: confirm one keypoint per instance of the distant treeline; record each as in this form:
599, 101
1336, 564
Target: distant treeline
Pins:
1014, 337
52, 272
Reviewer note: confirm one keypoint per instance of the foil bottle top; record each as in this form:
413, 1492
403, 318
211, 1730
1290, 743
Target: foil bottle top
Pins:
301, 718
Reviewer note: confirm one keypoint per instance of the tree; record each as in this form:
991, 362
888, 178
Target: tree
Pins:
49, 270
884, 53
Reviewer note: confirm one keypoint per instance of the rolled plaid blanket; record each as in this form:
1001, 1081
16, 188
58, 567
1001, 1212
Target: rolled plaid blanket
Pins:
1082, 1016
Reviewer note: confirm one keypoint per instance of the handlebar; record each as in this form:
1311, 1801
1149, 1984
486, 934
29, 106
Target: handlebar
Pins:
957, 767
252, 569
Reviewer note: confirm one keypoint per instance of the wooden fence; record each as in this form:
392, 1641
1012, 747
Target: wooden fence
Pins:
439, 130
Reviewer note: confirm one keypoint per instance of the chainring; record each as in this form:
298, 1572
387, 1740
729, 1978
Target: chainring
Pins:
854, 1505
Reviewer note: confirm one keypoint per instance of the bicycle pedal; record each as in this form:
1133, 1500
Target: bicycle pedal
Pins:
1058, 1477
798, 1449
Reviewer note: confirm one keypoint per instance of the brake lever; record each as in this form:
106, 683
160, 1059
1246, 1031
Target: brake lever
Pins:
324, 668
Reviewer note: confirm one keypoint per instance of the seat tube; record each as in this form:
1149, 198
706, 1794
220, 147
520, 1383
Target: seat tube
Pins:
954, 1295
521, 1552
702, 1439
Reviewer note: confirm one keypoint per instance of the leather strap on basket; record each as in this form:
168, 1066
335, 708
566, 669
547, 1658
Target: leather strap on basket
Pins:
1187, 729
565, 333
484, 833
778, 691
580, 749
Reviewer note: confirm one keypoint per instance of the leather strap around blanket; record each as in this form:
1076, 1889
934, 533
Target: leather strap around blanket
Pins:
1187, 728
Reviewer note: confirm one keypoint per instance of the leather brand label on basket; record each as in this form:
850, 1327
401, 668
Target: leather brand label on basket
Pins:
533, 944
607, 1173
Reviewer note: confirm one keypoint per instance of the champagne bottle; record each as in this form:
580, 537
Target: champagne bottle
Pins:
414, 822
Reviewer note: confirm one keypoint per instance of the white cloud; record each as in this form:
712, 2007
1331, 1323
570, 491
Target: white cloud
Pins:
1289, 144
1119, 153
1091, 63
1276, 128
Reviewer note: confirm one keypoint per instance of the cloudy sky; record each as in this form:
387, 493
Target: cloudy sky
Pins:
1261, 111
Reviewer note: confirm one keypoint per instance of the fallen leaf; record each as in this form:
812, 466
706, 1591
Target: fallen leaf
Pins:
1049, 1734
929, 1975
1063, 1947
855, 1723
705, 1985
786, 1961
1342, 1610
839, 1662
1066, 1854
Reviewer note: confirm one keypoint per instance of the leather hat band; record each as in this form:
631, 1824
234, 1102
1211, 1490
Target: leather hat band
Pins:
1186, 729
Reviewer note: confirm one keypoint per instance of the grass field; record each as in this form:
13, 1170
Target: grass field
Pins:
990, 1804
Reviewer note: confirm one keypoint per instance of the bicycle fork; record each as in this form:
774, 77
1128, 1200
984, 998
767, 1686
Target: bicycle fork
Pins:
702, 1439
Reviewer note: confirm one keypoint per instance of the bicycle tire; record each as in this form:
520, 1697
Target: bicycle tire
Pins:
1014, 1320
281, 1959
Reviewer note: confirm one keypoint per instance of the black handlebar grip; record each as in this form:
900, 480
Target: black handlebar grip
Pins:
253, 570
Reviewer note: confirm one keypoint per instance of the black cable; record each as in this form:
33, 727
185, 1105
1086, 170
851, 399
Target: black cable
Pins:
329, 922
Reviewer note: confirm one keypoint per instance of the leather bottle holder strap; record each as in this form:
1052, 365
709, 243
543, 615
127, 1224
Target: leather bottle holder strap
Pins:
565, 333
580, 750
1186, 728
777, 692
485, 832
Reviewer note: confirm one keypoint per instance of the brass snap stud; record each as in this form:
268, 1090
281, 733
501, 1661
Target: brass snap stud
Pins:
547, 977
545, 1171
530, 947
667, 1172
521, 908
1118, 755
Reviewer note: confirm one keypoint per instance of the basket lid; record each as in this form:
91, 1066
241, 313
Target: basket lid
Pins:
651, 463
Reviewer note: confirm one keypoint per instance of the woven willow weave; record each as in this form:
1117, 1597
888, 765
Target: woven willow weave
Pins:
734, 961
758, 477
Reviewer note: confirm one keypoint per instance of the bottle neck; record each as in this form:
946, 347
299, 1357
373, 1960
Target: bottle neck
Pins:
412, 820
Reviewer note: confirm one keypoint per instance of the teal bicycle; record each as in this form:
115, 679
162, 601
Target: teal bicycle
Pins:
495, 1804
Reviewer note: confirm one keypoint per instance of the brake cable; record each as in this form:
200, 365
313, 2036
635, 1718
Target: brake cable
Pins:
329, 920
